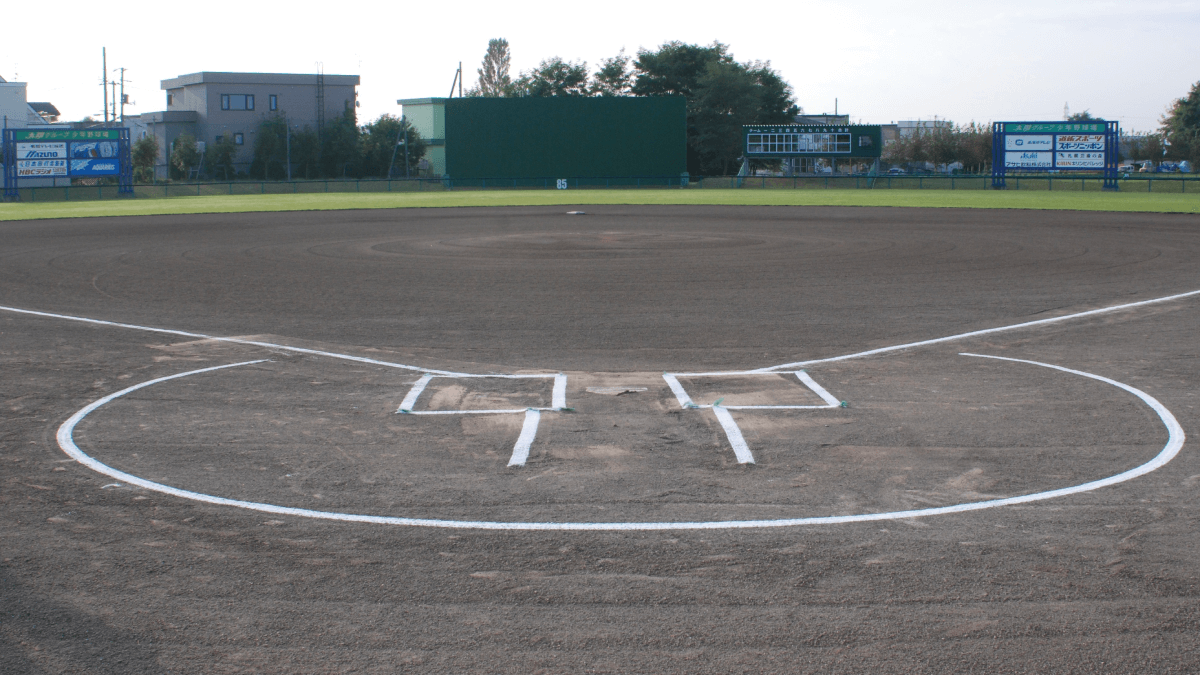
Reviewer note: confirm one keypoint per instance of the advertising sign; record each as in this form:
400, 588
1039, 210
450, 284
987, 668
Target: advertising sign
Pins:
1041, 142
94, 150
1053, 127
41, 151
66, 134
1029, 159
36, 153
41, 167
1073, 142
1079, 160
1055, 147
95, 167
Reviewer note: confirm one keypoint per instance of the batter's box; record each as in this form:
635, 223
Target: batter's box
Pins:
489, 395
743, 394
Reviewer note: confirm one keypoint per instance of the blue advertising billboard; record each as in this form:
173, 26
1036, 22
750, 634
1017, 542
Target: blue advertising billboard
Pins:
1053, 147
54, 152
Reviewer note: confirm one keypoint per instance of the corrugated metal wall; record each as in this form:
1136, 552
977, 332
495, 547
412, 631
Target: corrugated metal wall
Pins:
561, 137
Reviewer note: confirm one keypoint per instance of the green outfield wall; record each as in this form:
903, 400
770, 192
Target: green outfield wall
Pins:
565, 136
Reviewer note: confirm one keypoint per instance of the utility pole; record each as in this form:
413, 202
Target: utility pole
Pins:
122, 96
114, 101
104, 85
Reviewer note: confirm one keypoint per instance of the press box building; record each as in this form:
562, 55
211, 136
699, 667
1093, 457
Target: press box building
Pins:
552, 137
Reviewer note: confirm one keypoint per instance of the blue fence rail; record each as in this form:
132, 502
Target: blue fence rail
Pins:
1155, 184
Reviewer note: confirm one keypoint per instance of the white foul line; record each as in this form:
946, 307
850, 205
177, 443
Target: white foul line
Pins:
255, 343
962, 336
528, 432
1175, 440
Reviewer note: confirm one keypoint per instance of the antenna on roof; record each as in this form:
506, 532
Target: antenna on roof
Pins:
457, 80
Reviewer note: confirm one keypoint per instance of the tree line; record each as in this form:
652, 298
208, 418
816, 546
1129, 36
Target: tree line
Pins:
722, 93
340, 150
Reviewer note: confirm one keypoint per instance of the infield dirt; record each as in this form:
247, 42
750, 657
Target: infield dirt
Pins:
97, 577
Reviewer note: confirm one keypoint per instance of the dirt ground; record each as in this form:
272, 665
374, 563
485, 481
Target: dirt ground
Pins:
98, 576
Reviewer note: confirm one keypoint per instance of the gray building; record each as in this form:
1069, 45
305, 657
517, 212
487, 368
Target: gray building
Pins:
212, 105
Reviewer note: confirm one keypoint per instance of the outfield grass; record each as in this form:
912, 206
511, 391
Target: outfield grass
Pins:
982, 199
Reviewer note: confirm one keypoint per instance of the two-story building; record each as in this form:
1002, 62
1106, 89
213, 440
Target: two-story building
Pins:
209, 106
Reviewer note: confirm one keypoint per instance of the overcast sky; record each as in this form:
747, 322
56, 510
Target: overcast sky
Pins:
882, 61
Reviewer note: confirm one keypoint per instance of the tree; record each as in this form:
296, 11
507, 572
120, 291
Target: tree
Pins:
675, 68
270, 149
724, 99
341, 147
1084, 116
306, 152
184, 155
380, 141
614, 78
494, 80
145, 156
975, 147
554, 77
722, 95
1180, 127
218, 157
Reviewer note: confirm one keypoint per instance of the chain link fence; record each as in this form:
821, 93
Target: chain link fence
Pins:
1042, 183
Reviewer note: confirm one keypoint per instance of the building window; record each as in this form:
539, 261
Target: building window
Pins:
274, 102
237, 101
170, 99
238, 139
771, 144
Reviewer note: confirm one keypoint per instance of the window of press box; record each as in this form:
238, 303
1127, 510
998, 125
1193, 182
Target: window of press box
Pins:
238, 139
274, 102
237, 101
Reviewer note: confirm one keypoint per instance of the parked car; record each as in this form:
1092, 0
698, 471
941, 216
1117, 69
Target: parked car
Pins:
1167, 167
896, 171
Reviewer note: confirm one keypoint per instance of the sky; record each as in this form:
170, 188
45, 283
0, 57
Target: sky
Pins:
965, 61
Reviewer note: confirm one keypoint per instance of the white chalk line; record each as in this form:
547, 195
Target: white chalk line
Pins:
976, 333
732, 431
528, 432
1174, 443
734, 434
256, 343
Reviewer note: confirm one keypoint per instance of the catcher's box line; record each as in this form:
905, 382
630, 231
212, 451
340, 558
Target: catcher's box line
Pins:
532, 415
1175, 440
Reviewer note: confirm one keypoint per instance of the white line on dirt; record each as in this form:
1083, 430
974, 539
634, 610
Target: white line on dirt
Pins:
1175, 440
734, 434
976, 333
528, 431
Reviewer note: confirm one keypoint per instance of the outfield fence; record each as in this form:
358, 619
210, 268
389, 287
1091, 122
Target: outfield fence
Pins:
1026, 182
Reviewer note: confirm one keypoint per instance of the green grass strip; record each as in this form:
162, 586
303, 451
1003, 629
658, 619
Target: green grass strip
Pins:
962, 199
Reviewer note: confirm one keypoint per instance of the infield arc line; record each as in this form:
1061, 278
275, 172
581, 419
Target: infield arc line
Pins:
1175, 440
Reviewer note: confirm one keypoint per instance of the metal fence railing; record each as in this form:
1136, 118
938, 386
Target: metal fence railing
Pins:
1044, 182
